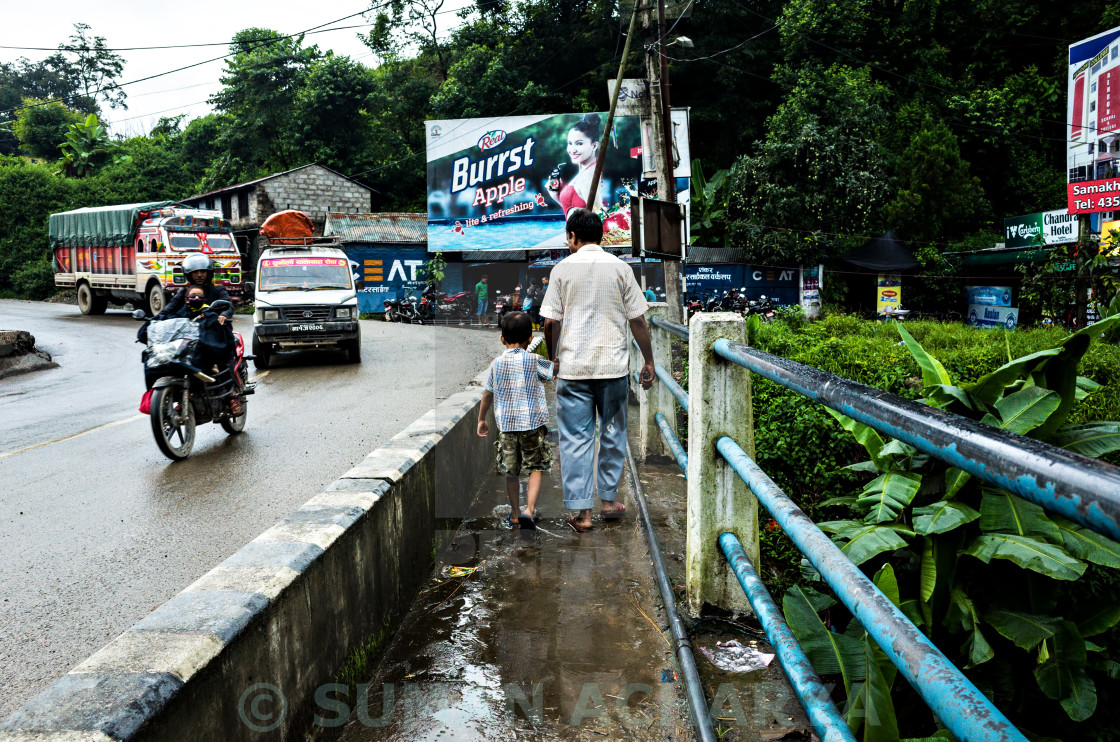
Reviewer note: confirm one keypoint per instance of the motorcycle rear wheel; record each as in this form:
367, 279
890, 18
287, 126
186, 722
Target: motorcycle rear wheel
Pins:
171, 422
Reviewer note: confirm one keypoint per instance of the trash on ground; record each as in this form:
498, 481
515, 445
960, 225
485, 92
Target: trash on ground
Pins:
461, 571
731, 656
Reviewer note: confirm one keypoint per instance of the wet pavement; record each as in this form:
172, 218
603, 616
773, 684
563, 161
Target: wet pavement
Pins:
97, 527
554, 635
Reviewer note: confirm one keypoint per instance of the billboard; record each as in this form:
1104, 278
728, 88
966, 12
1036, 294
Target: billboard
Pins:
507, 183
1046, 228
1093, 114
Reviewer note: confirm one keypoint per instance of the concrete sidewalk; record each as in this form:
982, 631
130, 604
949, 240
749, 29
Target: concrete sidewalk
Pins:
558, 636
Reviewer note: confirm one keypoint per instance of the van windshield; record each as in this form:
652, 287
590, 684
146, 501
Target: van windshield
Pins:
303, 274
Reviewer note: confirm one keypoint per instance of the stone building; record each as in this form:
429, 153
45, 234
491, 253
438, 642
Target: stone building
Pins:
312, 189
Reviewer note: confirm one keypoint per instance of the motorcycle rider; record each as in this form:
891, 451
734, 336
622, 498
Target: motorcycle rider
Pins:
199, 271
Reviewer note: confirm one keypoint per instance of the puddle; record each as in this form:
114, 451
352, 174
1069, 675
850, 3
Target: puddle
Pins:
552, 634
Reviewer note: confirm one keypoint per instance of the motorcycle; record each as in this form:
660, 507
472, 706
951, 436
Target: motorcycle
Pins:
409, 310
695, 304
392, 310
763, 307
458, 306
179, 395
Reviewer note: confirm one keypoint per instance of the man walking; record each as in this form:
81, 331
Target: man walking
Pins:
592, 297
482, 293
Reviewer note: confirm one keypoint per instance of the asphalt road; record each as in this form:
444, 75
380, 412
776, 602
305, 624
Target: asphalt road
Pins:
97, 527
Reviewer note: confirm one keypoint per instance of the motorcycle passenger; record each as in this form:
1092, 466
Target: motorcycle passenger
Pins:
199, 271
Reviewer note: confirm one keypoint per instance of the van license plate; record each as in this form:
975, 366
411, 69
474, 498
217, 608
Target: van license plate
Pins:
307, 328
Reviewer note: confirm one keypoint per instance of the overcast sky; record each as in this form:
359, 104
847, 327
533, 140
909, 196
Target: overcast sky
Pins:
130, 23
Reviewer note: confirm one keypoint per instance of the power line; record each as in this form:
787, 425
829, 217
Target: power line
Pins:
166, 46
247, 48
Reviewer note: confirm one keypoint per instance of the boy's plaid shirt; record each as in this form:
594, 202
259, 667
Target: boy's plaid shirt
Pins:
515, 380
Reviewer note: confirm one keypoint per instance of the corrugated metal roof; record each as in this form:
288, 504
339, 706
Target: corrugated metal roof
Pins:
704, 255
493, 256
399, 228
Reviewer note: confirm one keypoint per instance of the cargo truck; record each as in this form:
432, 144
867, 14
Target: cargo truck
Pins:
133, 252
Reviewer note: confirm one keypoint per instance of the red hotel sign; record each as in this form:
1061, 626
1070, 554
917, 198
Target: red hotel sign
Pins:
1089, 196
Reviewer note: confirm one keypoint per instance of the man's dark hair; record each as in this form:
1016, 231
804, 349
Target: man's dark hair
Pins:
585, 225
517, 327
484, 277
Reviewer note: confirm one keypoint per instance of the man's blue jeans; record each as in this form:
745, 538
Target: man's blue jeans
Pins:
482, 306
578, 405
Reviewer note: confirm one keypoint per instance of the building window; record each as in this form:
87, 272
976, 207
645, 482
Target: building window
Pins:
1115, 51
1093, 88
243, 205
227, 207
1092, 105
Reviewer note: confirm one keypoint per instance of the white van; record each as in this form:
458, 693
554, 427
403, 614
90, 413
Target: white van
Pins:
305, 297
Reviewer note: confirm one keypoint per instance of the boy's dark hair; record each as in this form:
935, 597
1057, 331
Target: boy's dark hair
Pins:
517, 327
585, 225
484, 277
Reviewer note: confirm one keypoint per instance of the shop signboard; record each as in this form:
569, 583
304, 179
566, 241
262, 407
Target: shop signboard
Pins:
1093, 114
508, 183
992, 296
988, 317
889, 293
388, 272
1056, 227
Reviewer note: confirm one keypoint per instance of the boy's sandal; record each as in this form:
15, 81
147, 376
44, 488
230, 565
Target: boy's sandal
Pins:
510, 521
617, 514
524, 521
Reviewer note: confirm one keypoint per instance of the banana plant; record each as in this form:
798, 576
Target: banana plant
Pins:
86, 148
979, 568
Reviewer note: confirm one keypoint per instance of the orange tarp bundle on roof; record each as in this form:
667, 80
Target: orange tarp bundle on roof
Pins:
288, 228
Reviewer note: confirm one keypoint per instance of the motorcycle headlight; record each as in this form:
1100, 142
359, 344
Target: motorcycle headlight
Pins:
344, 312
271, 315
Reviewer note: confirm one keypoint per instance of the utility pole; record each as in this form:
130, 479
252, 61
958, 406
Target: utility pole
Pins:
661, 141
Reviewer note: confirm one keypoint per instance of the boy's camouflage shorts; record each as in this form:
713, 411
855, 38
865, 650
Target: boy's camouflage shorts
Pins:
523, 451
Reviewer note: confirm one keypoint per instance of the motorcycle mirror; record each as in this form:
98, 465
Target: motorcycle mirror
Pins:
139, 315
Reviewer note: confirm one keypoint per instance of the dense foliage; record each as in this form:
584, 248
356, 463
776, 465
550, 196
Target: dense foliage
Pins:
974, 611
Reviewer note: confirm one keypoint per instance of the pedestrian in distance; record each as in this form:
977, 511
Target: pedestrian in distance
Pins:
532, 305
482, 293
515, 388
650, 296
586, 309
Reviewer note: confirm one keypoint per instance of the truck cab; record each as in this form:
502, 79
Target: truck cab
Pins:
305, 299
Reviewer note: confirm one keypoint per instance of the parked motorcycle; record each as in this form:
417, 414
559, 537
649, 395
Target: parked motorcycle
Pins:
409, 310
763, 307
392, 310
458, 306
180, 395
695, 304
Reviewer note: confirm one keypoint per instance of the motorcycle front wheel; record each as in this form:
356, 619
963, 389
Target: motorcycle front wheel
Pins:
172, 422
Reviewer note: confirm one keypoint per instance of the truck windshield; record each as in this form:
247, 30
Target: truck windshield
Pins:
220, 242
183, 242
303, 274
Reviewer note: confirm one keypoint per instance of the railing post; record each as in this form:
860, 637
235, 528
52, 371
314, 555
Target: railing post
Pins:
657, 398
719, 404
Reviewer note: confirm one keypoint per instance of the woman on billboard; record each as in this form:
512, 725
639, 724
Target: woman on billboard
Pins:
569, 184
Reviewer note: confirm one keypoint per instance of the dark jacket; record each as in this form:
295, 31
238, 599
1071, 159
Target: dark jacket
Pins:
213, 294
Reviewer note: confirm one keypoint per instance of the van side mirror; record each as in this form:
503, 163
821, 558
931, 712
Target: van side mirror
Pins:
359, 284
248, 288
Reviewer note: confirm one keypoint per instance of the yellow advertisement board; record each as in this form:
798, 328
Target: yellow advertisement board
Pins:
1110, 246
889, 293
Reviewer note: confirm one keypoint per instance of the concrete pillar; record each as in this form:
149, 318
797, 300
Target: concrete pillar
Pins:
719, 404
657, 398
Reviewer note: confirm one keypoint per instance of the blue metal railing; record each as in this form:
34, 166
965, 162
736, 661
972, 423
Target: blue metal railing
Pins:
1084, 490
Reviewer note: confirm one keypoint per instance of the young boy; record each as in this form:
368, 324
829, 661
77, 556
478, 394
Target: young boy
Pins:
515, 387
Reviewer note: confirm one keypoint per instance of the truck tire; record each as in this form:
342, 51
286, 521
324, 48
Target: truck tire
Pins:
354, 350
88, 300
262, 354
157, 300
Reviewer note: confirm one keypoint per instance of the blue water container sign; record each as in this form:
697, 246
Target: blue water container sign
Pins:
994, 296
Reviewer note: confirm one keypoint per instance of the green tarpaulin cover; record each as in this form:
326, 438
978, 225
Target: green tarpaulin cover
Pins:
103, 226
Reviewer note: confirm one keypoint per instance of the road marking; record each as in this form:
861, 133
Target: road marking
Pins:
261, 375
72, 435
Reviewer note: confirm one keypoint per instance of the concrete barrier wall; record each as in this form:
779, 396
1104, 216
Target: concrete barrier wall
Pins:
310, 601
